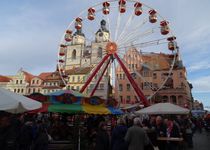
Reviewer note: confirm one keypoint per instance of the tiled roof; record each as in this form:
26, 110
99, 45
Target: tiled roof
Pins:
44, 75
4, 78
28, 76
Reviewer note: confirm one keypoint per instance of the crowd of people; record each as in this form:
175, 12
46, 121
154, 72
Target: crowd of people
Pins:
96, 132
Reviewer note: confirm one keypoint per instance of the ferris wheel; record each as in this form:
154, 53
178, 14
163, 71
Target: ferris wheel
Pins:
127, 36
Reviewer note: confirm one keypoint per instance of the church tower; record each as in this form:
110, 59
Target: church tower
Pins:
75, 50
102, 36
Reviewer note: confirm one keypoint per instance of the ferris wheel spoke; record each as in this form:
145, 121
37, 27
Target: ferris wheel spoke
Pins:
137, 36
117, 25
145, 44
126, 25
134, 30
109, 26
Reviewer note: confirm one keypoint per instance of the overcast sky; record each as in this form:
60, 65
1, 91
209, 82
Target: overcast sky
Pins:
30, 32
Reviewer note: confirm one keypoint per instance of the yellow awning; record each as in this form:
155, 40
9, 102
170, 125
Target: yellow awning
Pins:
96, 109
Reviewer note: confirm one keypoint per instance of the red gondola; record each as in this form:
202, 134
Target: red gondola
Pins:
164, 28
172, 45
78, 23
122, 6
138, 8
91, 13
61, 61
62, 50
106, 8
68, 35
152, 16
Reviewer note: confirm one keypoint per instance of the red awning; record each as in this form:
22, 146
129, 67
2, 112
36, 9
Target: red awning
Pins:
43, 109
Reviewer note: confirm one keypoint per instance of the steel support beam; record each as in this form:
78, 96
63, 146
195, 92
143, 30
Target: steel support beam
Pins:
95, 87
94, 73
133, 83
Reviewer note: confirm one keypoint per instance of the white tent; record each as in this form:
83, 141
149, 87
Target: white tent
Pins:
15, 103
163, 108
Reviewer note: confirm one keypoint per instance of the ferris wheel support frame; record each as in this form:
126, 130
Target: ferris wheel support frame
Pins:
133, 83
93, 91
131, 80
94, 73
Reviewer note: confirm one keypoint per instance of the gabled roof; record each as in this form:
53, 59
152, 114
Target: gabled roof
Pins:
28, 76
4, 78
44, 75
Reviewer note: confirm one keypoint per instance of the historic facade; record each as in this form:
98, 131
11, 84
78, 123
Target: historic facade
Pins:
149, 71
25, 83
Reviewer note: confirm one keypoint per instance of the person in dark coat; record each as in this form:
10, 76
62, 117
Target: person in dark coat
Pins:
118, 135
41, 141
172, 131
25, 137
136, 136
160, 129
102, 138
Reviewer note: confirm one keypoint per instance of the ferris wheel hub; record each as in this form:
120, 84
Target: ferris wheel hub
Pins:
111, 47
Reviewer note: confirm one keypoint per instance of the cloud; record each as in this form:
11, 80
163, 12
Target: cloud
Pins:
201, 84
202, 65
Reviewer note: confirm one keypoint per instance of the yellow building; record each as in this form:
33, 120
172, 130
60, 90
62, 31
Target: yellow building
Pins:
77, 77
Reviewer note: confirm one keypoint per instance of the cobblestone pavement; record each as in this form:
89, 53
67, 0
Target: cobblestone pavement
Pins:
201, 141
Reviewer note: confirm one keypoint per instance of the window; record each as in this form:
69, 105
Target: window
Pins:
74, 54
147, 85
136, 66
120, 76
128, 87
101, 86
37, 81
21, 81
33, 81
133, 75
83, 78
14, 90
16, 81
29, 90
100, 52
181, 75
120, 87
78, 78
132, 66
154, 76
21, 90
123, 76
34, 90
92, 86
145, 74
121, 99
72, 87
72, 78
18, 90
77, 88
182, 85
128, 98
